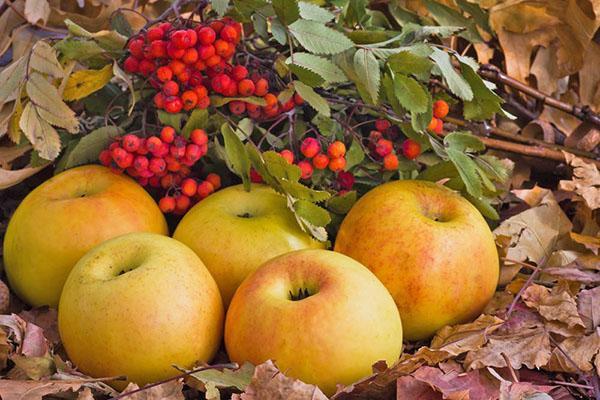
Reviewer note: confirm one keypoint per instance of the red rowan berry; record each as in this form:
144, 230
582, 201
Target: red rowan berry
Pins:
189, 187
142, 150
172, 164
270, 99
161, 151
154, 34
167, 134
205, 188
320, 161
157, 165
390, 162
167, 181
190, 56
298, 99
140, 163
192, 152
174, 52
173, 104
206, 35
153, 143
180, 39
206, 52
146, 67
200, 65
131, 143
199, 137
271, 111
411, 149
164, 73
190, 99
432, 124
288, 105
255, 176
384, 147
192, 36
345, 180
336, 149
287, 155
154, 181
158, 49
185, 75
220, 82
306, 170
237, 107
245, 87
203, 102
439, 127
231, 90
310, 147
212, 61
230, 34
126, 162
440, 109
165, 26
118, 154
382, 124
170, 88
261, 87
337, 164
182, 203
201, 91
136, 48
214, 179
216, 25
221, 48
239, 72
166, 204
177, 66
374, 136
105, 157
131, 65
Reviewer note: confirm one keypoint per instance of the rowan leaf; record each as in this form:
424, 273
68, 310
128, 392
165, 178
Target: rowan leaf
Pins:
479, 15
318, 38
41, 134
236, 155
312, 213
467, 170
109, 40
410, 93
197, 120
355, 154
220, 6
82, 83
287, 10
485, 102
313, 99
463, 141
456, 83
88, 148
313, 12
321, 66
367, 70
49, 104
78, 49
447, 16
406, 62
11, 80
43, 59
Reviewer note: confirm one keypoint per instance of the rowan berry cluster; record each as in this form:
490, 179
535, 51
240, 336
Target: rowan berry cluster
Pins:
187, 65
164, 162
440, 110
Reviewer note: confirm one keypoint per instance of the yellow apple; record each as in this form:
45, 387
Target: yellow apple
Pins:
321, 316
59, 221
429, 246
234, 231
136, 305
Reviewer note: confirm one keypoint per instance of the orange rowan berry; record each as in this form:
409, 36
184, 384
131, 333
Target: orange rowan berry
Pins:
411, 149
214, 179
440, 109
390, 162
336, 149
320, 161
337, 164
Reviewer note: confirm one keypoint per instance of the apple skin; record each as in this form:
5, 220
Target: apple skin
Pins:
333, 336
438, 272
230, 244
165, 310
60, 220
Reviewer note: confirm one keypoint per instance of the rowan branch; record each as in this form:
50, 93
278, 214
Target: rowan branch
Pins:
493, 73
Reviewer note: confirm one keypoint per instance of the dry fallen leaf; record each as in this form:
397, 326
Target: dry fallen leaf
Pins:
575, 354
171, 390
34, 390
555, 305
585, 182
269, 383
588, 305
524, 391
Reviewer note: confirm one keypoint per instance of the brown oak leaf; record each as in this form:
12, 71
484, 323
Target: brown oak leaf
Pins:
555, 305
34, 390
577, 350
588, 305
585, 182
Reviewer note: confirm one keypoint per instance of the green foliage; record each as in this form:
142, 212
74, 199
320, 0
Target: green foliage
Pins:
87, 149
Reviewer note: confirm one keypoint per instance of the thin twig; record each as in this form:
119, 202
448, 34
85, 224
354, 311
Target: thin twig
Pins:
576, 385
174, 378
513, 374
524, 287
584, 113
521, 263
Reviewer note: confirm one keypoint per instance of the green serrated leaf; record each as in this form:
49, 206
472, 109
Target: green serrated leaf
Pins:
456, 83
287, 10
78, 49
279, 31
407, 63
318, 38
367, 70
258, 163
419, 122
246, 8
402, 15
312, 213
120, 24
41, 134
219, 101
236, 154
413, 33
445, 15
43, 59
314, 13
279, 168
388, 88
88, 149
411, 94
172, 120
109, 40
227, 378
220, 6
342, 204
495, 168
463, 141
355, 155
307, 76
49, 104
485, 102
313, 98
467, 170
485, 208
197, 120
321, 66
12, 79
299, 191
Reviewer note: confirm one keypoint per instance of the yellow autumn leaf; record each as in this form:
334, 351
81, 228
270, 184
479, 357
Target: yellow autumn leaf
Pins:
85, 82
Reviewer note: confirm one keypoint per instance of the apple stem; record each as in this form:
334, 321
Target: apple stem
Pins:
176, 377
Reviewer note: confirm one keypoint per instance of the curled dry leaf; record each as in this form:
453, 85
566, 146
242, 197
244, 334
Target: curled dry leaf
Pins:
269, 383
585, 182
524, 391
553, 305
575, 354
34, 390
588, 305
171, 390
47, 319
526, 346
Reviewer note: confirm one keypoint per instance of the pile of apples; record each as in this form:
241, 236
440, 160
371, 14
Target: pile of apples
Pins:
410, 257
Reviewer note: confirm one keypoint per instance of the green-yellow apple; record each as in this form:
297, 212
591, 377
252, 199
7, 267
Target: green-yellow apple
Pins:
321, 316
136, 305
234, 232
429, 246
60, 220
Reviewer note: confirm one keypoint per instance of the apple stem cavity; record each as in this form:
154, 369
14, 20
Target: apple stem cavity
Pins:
302, 294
